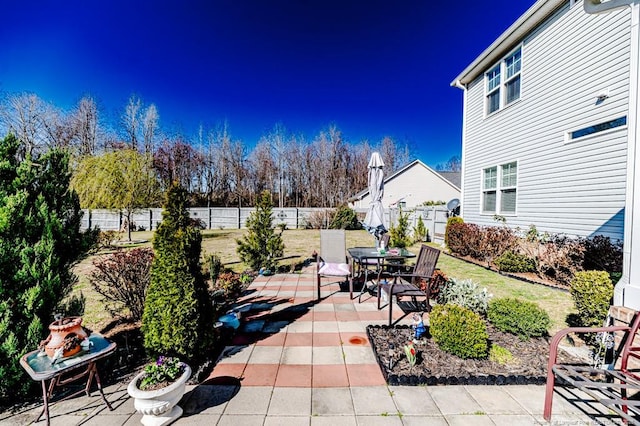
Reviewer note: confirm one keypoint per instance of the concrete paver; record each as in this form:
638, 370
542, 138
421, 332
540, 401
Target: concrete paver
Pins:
454, 400
414, 401
373, 401
290, 402
331, 401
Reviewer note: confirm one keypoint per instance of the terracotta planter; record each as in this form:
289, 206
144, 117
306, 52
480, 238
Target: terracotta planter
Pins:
66, 332
158, 407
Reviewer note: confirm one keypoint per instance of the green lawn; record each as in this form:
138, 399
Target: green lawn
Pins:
300, 244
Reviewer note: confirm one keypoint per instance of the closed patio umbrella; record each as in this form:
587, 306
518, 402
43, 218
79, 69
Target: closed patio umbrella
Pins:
374, 220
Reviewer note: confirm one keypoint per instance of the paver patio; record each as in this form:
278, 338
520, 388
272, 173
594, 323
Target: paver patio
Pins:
297, 361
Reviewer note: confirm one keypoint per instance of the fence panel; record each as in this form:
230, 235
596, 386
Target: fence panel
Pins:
106, 220
141, 220
224, 218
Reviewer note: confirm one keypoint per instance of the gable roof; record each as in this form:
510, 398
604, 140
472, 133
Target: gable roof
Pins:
508, 40
450, 177
453, 177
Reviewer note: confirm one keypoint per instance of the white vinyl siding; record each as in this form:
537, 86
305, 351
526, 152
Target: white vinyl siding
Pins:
575, 188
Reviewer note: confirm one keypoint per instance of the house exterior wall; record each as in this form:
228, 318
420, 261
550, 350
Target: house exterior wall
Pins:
415, 185
575, 187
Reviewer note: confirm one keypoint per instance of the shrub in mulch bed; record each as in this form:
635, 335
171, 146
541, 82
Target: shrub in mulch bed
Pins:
436, 367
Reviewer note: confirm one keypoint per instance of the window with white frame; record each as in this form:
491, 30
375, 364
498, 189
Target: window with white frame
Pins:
499, 189
490, 184
503, 82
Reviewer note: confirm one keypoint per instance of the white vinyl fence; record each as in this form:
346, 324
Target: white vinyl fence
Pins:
434, 218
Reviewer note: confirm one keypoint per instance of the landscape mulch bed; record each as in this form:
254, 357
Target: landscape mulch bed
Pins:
529, 277
436, 367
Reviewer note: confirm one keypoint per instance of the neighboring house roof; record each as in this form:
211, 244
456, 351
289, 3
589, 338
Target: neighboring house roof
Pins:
450, 179
508, 40
453, 177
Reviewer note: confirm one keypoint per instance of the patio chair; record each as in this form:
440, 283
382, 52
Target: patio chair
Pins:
332, 259
403, 284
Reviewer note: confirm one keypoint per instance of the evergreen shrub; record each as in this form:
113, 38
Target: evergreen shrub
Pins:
261, 246
459, 331
345, 218
453, 220
515, 316
420, 231
510, 261
215, 266
177, 318
592, 292
40, 241
399, 234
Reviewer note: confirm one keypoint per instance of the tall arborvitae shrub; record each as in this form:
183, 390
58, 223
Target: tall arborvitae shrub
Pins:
262, 245
40, 240
177, 311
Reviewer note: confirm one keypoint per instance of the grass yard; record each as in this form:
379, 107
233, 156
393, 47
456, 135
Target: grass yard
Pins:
300, 244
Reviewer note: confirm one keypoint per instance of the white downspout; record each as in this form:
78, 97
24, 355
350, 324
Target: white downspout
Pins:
459, 85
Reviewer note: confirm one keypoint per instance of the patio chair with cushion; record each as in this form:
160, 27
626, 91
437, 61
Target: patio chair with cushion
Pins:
409, 284
332, 259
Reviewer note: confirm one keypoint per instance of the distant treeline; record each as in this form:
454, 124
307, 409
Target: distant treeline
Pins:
215, 168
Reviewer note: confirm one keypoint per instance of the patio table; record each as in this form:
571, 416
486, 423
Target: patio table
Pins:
361, 257
41, 369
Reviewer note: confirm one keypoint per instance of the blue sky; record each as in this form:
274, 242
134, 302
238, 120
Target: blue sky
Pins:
373, 68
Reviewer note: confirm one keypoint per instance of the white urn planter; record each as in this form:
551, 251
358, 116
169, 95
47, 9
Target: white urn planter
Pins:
159, 407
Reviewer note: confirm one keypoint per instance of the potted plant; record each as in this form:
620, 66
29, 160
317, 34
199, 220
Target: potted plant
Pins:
157, 390
65, 337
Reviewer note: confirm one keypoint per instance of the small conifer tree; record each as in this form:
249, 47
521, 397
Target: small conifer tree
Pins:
400, 232
420, 231
177, 312
262, 245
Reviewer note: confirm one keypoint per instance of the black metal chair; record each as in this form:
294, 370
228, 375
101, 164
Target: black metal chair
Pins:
403, 284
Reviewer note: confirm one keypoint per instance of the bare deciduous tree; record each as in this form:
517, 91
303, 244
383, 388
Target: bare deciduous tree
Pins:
131, 121
85, 123
150, 127
23, 115
452, 165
